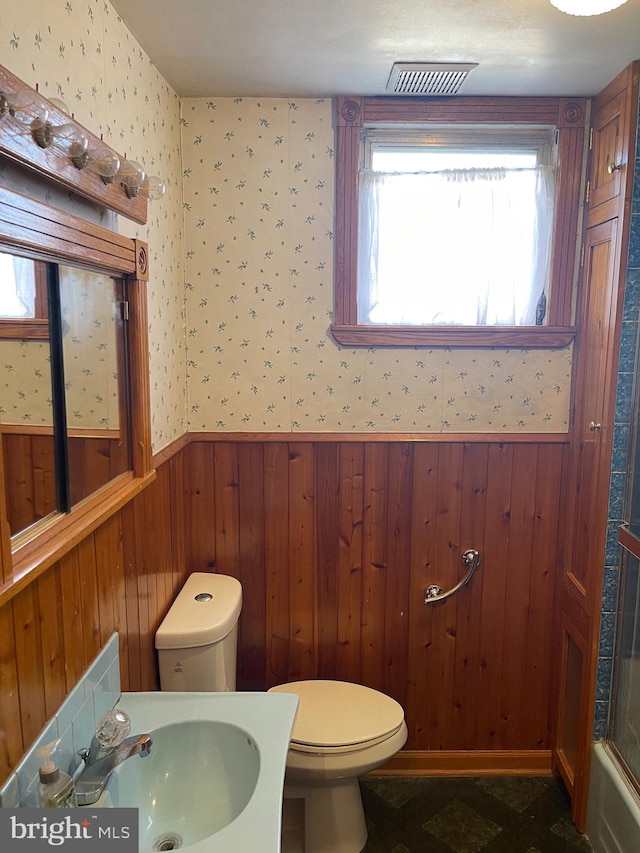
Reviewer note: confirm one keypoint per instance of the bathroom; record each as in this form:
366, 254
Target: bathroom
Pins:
244, 488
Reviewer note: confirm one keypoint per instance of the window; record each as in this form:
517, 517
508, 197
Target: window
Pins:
23, 298
456, 221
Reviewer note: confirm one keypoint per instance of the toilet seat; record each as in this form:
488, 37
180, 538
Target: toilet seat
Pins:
340, 717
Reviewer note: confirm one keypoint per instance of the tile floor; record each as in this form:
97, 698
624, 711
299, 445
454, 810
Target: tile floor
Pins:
516, 814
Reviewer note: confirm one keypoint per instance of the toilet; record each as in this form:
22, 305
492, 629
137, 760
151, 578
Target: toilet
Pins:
342, 731
197, 640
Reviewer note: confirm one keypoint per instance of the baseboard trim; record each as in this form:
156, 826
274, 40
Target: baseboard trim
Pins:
415, 762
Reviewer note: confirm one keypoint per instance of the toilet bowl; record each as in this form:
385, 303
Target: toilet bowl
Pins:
341, 732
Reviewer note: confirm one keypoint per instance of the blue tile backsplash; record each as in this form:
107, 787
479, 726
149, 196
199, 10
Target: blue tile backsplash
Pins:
74, 723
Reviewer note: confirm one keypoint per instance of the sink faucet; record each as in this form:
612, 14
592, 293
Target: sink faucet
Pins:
100, 761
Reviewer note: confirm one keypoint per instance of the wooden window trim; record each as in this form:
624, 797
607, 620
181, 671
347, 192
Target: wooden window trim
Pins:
351, 114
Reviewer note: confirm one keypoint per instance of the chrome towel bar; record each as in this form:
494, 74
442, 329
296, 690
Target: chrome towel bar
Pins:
434, 593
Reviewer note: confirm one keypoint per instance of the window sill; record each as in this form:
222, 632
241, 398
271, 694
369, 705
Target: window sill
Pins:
512, 337
24, 330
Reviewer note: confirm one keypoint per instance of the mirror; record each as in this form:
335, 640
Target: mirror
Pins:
94, 362
64, 440
74, 341
26, 410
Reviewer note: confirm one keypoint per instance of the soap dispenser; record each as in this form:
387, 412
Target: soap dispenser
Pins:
56, 787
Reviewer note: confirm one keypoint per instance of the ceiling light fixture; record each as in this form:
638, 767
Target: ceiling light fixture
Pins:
586, 7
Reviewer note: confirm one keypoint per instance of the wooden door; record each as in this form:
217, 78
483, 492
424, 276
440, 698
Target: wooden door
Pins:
607, 146
594, 388
590, 466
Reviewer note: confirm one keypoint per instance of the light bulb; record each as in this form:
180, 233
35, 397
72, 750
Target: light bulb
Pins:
72, 139
104, 162
153, 188
60, 105
131, 175
586, 7
28, 107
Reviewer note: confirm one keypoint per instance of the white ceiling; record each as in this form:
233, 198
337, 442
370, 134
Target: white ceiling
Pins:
320, 48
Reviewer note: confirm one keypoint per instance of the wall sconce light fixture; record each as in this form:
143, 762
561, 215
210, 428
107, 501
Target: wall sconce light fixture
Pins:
62, 143
586, 7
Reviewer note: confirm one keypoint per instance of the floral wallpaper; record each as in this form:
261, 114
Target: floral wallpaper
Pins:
81, 52
258, 200
241, 250
25, 383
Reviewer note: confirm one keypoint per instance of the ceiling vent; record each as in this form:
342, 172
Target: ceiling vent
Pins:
428, 78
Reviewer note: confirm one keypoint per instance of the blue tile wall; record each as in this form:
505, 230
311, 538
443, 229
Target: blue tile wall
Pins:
74, 723
620, 462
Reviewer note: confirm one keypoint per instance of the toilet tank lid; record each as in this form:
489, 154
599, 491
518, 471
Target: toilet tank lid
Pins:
204, 612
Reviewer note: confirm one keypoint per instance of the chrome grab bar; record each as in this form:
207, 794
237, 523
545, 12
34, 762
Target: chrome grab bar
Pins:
435, 593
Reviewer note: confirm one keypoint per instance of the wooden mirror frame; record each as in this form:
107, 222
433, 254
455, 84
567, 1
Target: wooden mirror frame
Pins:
37, 230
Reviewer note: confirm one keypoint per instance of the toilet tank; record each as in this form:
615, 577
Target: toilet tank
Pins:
198, 638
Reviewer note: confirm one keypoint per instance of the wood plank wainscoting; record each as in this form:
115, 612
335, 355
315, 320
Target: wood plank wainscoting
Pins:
334, 539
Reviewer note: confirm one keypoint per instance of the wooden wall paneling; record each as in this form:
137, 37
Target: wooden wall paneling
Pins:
468, 667
19, 482
135, 591
252, 666
11, 738
178, 499
303, 567
160, 588
335, 543
30, 478
226, 512
327, 512
156, 552
71, 617
446, 569
44, 476
28, 648
112, 587
90, 466
514, 682
396, 613
349, 561
276, 525
545, 576
420, 688
52, 639
201, 549
374, 563
161, 511
89, 598
494, 572
6, 560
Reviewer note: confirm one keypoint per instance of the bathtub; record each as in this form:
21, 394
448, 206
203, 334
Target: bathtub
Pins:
613, 810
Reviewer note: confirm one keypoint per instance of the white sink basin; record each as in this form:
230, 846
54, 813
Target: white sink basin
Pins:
213, 780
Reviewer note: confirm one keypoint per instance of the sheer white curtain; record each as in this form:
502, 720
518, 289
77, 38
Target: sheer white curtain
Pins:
17, 287
462, 246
